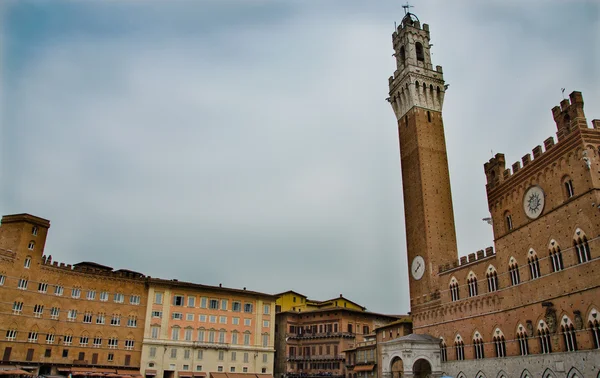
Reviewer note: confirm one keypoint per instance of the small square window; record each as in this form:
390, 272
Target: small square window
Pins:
111, 357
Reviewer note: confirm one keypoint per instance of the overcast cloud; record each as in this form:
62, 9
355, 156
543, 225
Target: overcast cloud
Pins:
249, 142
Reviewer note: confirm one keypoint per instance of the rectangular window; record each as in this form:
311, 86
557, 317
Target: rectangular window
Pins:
266, 309
188, 334
202, 318
201, 335
175, 333
48, 353
154, 332
2, 279
104, 296
72, 315
68, 340
75, 292
248, 307
246, 339
186, 367
110, 357
83, 340
220, 368
236, 306
177, 316
245, 369
265, 358
222, 337
198, 367
11, 334
119, 298
214, 304
91, 295
135, 299
247, 322
223, 319
22, 284
100, 318
221, 355
115, 320
173, 353
189, 317
158, 298
186, 354
50, 338
152, 353
191, 301
129, 344
233, 356
203, 302
178, 300
132, 321
234, 338
87, 317
199, 356
266, 323
42, 287
59, 290
38, 310
235, 321
245, 356
157, 314
213, 319
224, 304
265, 341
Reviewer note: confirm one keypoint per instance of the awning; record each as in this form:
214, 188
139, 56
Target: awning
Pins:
150, 372
14, 372
364, 368
184, 374
199, 374
64, 369
128, 372
218, 375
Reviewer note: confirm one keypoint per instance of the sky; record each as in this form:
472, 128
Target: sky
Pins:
249, 143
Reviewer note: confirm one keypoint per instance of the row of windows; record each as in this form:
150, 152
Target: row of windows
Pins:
65, 354
209, 336
581, 248
187, 354
54, 312
210, 318
209, 303
543, 336
314, 350
76, 292
50, 338
315, 329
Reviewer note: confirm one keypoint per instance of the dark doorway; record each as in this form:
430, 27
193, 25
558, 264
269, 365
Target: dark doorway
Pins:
422, 369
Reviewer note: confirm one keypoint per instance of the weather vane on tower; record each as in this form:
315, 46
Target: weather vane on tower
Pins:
407, 8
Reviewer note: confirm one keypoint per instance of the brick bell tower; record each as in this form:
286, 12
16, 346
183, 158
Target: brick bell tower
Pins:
417, 95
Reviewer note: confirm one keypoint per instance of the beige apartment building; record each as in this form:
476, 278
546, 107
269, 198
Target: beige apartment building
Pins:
194, 330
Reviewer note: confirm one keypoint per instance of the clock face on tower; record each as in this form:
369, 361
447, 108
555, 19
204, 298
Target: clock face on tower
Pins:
417, 268
533, 202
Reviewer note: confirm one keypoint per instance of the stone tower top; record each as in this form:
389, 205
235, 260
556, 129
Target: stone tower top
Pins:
569, 115
415, 82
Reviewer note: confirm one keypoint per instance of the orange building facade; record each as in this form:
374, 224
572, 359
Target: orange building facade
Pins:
194, 330
65, 319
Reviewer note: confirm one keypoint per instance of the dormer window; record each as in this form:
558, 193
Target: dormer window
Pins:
419, 51
34, 230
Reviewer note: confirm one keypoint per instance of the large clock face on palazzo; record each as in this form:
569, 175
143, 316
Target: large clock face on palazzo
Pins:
533, 202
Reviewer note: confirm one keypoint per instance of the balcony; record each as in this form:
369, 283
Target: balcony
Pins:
320, 358
321, 335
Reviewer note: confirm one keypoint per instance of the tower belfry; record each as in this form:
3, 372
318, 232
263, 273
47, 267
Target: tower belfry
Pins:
416, 93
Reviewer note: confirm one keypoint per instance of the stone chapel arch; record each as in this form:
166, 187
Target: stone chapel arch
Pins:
421, 368
397, 367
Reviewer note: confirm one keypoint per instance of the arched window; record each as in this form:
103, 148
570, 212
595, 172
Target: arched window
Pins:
507, 219
593, 322
568, 185
534, 264
472, 284
582, 248
417, 84
443, 351
499, 343
492, 279
555, 256
31, 245
513, 270
569, 336
478, 346
544, 335
459, 345
27, 263
522, 339
419, 51
454, 293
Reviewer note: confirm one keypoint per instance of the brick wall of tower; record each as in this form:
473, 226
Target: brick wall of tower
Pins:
429, 213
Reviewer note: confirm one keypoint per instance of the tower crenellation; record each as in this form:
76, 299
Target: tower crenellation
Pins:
569, 115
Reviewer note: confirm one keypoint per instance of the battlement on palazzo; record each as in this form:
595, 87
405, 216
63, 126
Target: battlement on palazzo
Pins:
569, 116
91, 268
470, 259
